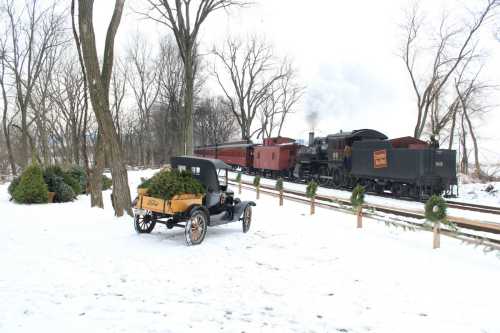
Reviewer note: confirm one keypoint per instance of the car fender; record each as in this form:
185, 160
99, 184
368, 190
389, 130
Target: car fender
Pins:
196, 207
239, 208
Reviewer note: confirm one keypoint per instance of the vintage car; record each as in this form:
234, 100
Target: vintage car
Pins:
194, 213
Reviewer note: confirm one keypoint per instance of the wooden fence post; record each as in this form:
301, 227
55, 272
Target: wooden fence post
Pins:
239, 187
258, 192
360, 216
313, 205
436, 231
281, 197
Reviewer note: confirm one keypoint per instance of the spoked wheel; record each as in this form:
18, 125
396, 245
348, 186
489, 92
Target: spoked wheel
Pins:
196, 228
144, 224
247, 218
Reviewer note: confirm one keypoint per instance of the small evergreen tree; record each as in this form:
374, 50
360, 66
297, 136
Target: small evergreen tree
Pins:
73, 182
64, 193
32, 187
78, 173
13, 185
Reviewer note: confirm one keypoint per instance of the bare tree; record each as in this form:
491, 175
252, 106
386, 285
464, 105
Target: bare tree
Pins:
280, 101
34, 32
143, 77
454, 46
473, 106
6, 122
170, 111
98, 85
184, 18
213, 122
250, 74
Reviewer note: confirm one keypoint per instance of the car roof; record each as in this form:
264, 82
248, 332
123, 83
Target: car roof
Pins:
208, 169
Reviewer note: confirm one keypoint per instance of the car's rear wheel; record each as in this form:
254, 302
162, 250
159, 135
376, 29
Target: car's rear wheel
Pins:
144, 224
196, 228
247, 218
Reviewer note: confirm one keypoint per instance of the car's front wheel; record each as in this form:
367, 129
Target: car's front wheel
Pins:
196, 228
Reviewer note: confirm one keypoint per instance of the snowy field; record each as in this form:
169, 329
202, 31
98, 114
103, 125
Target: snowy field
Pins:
69, 268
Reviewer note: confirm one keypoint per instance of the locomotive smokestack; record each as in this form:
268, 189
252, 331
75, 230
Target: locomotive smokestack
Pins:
311, 138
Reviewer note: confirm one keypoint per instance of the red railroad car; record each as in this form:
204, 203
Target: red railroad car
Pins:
236, 154
276, 155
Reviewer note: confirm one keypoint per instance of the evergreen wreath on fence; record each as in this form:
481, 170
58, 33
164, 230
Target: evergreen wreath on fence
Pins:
435, 209
279, 184
256, 181
358, 196
311, 189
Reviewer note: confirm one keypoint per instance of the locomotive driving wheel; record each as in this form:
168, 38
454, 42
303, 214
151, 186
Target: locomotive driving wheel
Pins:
196, 228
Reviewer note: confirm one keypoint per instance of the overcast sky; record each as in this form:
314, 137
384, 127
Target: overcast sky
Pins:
346, 53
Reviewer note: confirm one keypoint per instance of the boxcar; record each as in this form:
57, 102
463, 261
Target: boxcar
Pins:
276, 156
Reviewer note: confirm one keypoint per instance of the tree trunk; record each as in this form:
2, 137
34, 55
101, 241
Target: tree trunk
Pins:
6, 132
95, 175
98, 84
477, 170
24, 138
188, 103
464, 163
452, 130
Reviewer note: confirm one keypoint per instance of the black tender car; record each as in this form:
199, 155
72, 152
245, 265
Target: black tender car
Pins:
405, 172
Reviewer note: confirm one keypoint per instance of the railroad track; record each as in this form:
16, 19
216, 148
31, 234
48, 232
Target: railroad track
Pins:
451, 203
397, 215
474, 207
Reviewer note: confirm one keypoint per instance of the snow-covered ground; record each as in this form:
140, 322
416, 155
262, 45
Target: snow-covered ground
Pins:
480, 194
69, 268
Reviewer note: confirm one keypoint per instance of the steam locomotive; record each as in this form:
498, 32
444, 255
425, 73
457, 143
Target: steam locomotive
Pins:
405, 167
